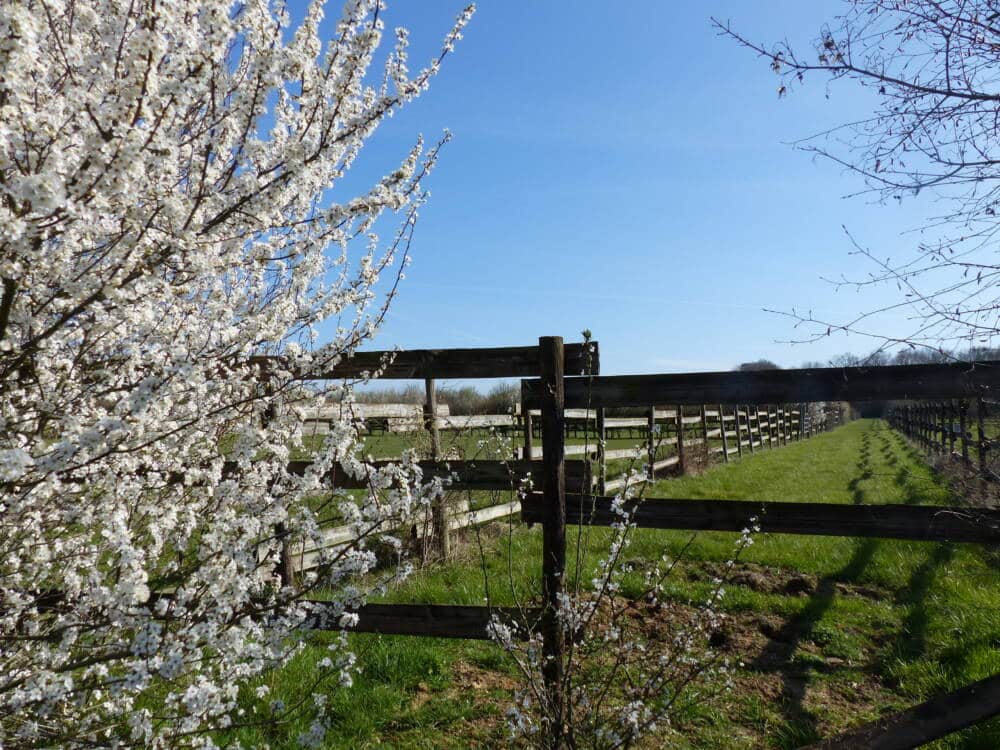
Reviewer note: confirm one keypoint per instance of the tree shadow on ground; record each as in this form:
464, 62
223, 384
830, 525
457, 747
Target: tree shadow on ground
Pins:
912, 643
782, 644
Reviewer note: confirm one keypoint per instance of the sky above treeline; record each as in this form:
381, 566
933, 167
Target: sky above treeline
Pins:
622, 168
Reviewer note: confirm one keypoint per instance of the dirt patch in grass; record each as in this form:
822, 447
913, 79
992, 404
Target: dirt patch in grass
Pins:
478, 678
766, 579
790, 679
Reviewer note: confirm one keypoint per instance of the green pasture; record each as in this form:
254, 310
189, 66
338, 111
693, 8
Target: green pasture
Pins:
831, 632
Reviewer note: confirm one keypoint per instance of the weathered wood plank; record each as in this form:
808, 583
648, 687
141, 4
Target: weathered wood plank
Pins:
923, 723
471, 475
570, 450
440, 620
475, 421
620, 481
309, 556
420, 364
782, 386
435, 620
913, 522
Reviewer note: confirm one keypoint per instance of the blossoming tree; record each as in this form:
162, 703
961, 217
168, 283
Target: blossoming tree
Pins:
163, 166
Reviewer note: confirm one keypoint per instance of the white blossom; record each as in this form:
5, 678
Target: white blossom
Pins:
165, 179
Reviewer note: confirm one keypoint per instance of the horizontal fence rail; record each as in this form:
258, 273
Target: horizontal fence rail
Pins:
736, 410
420, 364
778, 386
442, 620
466, 475
914, 522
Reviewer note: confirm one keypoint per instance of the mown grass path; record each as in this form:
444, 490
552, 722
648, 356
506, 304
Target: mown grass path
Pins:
831, 631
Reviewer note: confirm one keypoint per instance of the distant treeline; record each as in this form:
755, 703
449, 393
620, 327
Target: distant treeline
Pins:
906, 356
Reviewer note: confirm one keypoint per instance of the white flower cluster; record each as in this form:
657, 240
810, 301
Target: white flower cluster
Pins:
164, 168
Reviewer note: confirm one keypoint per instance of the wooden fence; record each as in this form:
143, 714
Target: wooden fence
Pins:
554, 392
673, 438
964, 429
566, 377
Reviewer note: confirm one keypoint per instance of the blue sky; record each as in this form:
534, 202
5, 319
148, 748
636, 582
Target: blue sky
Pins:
620, 167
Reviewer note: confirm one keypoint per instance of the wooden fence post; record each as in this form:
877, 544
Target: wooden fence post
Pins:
529, 441
722, 429
651, 443
943, 435
981, 425
439, 513
952, 414
704, 431
679, 422
739, 436
922, 426
602, 464
963, 425
553, 527
750, 425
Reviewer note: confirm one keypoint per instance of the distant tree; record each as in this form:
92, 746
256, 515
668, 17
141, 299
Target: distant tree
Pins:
849, 359
759, 364
932, 68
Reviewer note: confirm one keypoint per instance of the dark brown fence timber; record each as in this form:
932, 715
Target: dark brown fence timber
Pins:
898, 382
677, 437
421, 364
753, 409
443, 620
914, 522
966, 430
942, 383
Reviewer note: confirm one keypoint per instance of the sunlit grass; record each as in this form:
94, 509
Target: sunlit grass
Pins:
883, 623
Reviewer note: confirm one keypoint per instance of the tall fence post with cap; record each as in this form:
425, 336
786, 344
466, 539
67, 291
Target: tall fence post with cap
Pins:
553, 418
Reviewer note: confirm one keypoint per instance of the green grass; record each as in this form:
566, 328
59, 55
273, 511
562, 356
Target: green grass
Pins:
880, 625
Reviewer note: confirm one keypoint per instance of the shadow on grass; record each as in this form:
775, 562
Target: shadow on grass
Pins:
913, 643
782, 645
801, 724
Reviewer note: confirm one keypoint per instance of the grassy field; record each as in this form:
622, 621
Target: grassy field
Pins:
831, 631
